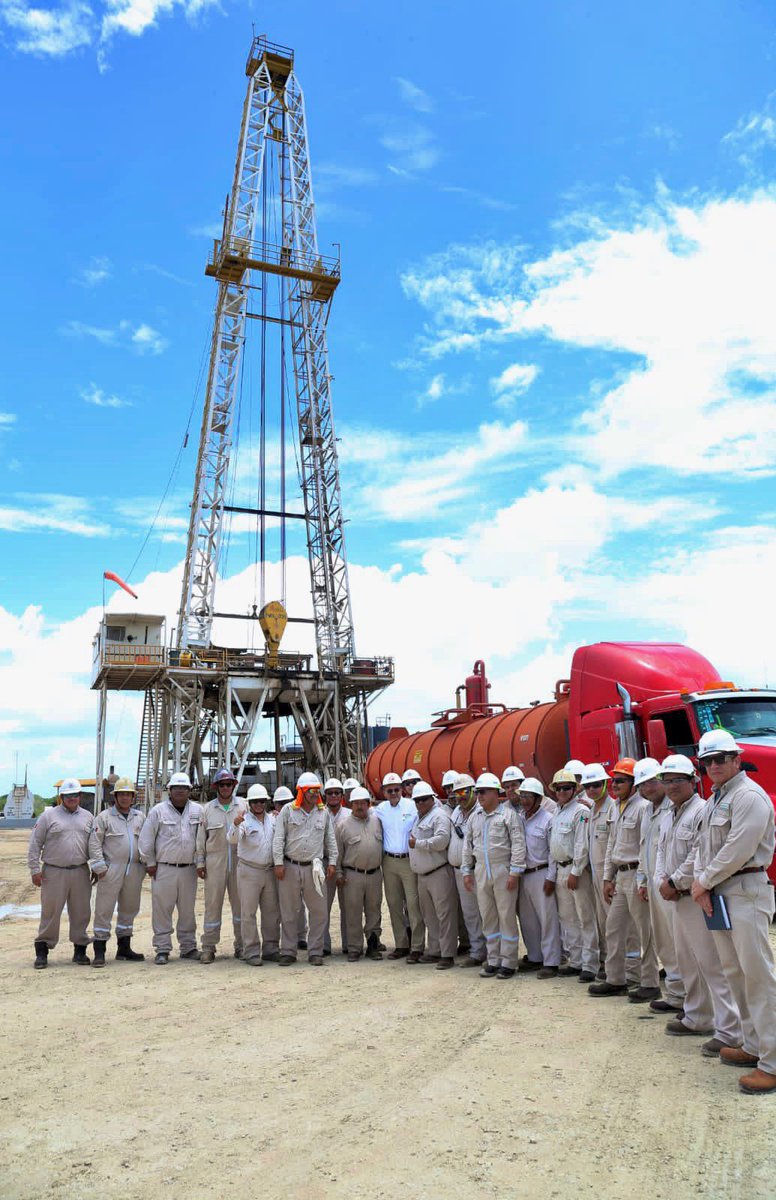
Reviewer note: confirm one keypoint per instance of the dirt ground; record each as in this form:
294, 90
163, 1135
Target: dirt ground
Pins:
375, 1080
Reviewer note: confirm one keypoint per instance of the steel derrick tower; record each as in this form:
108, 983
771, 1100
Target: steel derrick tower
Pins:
204, 703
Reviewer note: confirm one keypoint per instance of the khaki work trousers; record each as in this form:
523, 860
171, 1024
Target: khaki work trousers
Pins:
601, 908
467, 902
361, 897
498, 914
258, 890
220, 880
708, 1001
174, 888
626, 906
121, 887
65, 887
747, 960
661, 916
439, 906
576, 911
401, 887
539, 921
296, 891
331, 891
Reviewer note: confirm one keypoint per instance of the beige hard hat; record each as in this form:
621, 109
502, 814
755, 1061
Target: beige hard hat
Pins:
563, 776
124, 785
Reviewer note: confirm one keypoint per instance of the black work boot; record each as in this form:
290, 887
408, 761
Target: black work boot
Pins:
41, 956
372, 947
99, 953
80, 956
124, 950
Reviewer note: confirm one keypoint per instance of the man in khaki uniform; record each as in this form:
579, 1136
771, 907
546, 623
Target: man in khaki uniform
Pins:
708, 1001
595, 782
360, 843
304, 850
60, 839
428, 842
466, 803
537, 908
621, 894
573, 882
217, 864
493, 861
252, 835
649, 782
735, 849
114, 857
334, 796
168, 847
397, 815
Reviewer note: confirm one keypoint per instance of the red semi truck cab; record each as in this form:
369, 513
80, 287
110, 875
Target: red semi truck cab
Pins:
647, 698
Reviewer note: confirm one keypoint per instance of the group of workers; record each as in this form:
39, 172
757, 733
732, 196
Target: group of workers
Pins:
611, 876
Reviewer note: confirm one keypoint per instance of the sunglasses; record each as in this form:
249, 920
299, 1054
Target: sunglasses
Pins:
564, 787
590, 787
717, 759
391, 791
677, 779
335, 792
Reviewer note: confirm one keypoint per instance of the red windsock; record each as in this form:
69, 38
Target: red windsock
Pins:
110, 575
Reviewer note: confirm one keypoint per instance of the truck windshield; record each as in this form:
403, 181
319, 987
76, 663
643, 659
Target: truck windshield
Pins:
743, 717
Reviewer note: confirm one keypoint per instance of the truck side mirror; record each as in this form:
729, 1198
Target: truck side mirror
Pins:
657, 743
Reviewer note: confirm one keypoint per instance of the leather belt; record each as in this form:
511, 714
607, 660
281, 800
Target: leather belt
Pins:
746, 871
166, 864
425, 874
392, 855
298, 862
243, 862
567, 863
539, 867
361, 870
74, 867
631, 866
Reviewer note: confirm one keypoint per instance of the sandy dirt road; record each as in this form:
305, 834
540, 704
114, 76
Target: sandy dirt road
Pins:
373, 1080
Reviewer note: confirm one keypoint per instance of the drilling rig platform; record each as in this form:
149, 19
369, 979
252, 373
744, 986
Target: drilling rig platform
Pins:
204, 704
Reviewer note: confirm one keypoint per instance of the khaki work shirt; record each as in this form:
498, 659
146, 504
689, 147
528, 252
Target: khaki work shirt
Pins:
494, 839
432, 837
624, 844
60, 838
169, 836
678, 843
254, 838
360, 843
737, 831
568, 836
304, 836
652, 825
114, 839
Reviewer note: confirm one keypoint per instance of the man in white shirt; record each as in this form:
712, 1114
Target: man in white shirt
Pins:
397, 814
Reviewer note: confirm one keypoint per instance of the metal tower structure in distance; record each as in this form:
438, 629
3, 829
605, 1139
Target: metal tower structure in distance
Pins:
204, 703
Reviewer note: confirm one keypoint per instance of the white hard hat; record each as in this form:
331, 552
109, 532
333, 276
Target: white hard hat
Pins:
390, 778
360, 793
70, 787
449, 778
423, 791
282, 793
512, 775
575, 766
488, 780
594, 773
646, 769
410, 775
308, 780
331, 784
718, 741
179, 779
462, 781
257, 791
677, 764
349, 784
532, 785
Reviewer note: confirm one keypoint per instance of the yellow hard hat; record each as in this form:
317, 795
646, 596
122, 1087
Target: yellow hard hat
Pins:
564, 776
124, 785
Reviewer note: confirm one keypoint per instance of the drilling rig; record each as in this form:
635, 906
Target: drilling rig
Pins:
204, 704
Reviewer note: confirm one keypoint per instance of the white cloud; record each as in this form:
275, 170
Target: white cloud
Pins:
51, 514
687, 289
414, 96
754, 134
7, 419
48, 32
434, 391
97, 270
329, 175
413, 149
96, 396
209, 229
142, 338
512, 382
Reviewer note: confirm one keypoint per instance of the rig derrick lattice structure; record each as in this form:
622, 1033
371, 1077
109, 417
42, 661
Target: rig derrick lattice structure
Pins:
204, 703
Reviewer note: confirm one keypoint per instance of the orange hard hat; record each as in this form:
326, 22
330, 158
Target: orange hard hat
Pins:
625, 766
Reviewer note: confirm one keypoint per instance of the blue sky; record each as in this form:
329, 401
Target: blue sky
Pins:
553, 347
